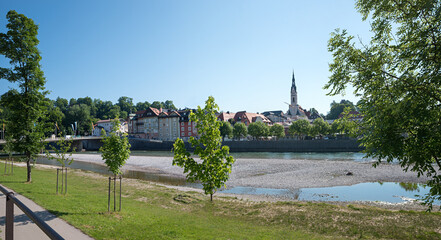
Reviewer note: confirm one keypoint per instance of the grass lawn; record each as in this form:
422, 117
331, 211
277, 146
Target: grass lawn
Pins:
151, 211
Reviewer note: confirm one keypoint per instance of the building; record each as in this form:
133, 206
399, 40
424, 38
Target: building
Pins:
187, 128
168, 125
295, 111
107, 125
145, 124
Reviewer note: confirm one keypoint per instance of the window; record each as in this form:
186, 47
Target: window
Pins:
182, 134
189, 129
182, 124
182, 128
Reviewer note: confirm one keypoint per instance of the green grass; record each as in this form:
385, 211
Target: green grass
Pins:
154, 212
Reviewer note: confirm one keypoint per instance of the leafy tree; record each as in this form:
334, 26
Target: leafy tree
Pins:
62, 104
81, 115
169, 105
142, 106
215, 166
115, 149
226, 130
337, 108
397, 75
54, 120
300, 128
277, 130
126, 104
258, 130
320, 127
346, 124
240, 130
72, 102
26, 107
157, 104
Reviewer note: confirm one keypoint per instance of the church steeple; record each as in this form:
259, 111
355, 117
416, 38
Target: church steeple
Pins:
293, 82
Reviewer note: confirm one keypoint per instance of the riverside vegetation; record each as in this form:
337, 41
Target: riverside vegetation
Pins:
156, 212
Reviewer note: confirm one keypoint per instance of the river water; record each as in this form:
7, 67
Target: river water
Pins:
390, 192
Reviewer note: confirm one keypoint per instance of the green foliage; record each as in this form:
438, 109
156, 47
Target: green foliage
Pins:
240, 130
115, 149
337, 108
320, 127
215, 164
300, 128
347, 124
258, 130
126, 105
277, 130
397, 75
226, 130
26, 107
63, 151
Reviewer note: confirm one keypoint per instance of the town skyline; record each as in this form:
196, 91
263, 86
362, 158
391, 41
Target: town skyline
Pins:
242, 54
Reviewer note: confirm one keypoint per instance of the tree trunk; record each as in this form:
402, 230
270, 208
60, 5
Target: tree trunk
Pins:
28, 165
211, 197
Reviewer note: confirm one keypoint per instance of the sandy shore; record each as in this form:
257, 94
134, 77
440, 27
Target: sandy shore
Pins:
279, 173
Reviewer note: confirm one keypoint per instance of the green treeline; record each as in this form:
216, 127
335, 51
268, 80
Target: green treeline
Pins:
62, 113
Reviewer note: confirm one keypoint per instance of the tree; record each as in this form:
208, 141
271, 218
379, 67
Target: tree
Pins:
126, 104
346, 124
115, 152
115, 149
169, 105
157, 104
258, 130
240, 130
397, 75
142, 105
300, 128
226, 130
215, 163
63, 156
320, 127
337, 108
27, 107
79, 113
277, 130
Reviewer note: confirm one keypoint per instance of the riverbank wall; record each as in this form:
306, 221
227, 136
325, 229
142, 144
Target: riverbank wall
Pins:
283, 145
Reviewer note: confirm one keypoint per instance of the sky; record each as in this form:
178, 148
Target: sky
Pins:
241, 52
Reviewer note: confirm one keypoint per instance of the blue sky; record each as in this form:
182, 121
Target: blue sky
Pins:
241, 52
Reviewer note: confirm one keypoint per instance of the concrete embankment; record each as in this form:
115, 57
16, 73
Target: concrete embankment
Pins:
283, 145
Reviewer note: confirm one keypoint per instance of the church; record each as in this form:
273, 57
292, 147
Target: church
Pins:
295, 111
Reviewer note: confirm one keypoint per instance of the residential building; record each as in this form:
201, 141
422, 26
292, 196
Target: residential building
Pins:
168, 125
187, 129
145, 124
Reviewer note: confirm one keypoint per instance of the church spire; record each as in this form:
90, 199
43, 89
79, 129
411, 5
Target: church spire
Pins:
293, 82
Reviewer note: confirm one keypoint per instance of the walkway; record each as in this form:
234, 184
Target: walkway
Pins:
25, 229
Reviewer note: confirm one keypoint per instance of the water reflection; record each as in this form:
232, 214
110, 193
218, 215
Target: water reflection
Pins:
385, 192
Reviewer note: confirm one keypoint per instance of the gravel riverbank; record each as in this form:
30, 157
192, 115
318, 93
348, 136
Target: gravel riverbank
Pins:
279, 173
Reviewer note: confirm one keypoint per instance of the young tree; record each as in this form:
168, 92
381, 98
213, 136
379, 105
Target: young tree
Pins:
258, 130
277, 130
115, 152
240, 130
62, 153
226, 130
397, 75
115, 149
215, 163
26, 107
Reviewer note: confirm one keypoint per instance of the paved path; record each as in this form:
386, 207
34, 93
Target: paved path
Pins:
25, 229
